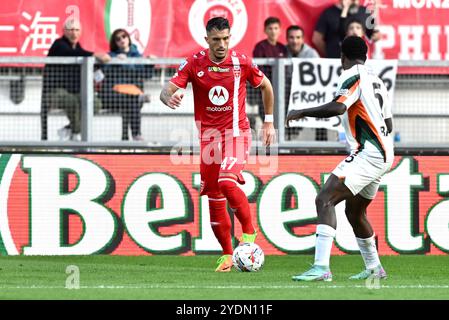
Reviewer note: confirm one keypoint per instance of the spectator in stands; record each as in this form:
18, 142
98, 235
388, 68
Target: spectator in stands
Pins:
270, 47
296, 47
354, 27
122, 87
326, 37
267, 48
61, 84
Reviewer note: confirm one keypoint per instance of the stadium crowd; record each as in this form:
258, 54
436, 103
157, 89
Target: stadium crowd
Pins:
345, 18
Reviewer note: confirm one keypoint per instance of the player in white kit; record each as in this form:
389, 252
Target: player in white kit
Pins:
362, 100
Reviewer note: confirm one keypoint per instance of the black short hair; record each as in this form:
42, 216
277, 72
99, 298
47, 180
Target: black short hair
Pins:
218, 23
271, 20
294, 28
354, 48
352, 20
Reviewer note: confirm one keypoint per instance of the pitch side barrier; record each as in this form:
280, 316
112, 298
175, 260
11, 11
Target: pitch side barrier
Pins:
421, 116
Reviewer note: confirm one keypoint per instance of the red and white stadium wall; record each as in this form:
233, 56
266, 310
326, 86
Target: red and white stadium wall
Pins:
83, 204
410, 30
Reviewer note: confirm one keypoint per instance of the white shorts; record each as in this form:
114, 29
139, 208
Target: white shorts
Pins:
362, 174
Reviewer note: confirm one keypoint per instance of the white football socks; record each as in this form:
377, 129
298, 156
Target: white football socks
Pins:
369, 252
324, 238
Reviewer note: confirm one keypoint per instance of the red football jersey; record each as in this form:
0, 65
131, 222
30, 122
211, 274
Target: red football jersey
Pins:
219, 89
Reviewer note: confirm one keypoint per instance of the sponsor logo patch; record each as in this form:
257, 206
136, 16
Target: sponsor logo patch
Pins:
182, 65
219, 109
218, 95
217, 69
342, 92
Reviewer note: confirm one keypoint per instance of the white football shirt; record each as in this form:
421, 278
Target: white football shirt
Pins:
368, 105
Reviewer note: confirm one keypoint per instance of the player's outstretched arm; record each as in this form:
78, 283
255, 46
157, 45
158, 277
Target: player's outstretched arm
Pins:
169, 96
327, 110
268, 131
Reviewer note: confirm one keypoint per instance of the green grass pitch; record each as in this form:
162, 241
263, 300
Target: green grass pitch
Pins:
182, 278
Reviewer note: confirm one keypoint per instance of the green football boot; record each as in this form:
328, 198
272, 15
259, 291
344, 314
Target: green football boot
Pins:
316, 273
377, 273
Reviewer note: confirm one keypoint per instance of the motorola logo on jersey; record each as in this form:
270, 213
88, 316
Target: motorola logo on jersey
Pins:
219, 109
218, 95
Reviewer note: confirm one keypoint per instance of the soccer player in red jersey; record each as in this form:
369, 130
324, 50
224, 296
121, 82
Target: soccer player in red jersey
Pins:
218, 76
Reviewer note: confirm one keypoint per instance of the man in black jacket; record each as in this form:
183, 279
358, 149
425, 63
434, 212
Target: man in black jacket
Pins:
62, 83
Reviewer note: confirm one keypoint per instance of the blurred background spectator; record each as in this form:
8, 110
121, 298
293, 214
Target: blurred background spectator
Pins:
122, 87
326, 37
270, 47
61, 83
296, 47
267, 48
354, 27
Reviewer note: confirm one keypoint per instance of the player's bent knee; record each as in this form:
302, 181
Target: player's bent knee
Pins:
352, 218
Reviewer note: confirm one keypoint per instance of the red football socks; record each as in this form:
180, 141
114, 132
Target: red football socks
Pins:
237, 201
221, 224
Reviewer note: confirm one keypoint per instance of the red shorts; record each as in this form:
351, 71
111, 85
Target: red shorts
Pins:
228, 155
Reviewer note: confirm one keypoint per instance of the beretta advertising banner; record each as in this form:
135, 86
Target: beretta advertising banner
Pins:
83, 204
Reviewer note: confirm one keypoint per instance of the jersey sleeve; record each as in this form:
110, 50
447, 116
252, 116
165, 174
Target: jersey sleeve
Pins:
182, 75
348, 89
255, 75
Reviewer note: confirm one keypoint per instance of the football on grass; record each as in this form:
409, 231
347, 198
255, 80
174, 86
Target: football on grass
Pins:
248, 257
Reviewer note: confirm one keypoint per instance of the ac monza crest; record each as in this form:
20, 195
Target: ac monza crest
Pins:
202, 11
237, 71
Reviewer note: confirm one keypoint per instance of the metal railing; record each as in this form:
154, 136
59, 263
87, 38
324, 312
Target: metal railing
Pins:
420, 107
